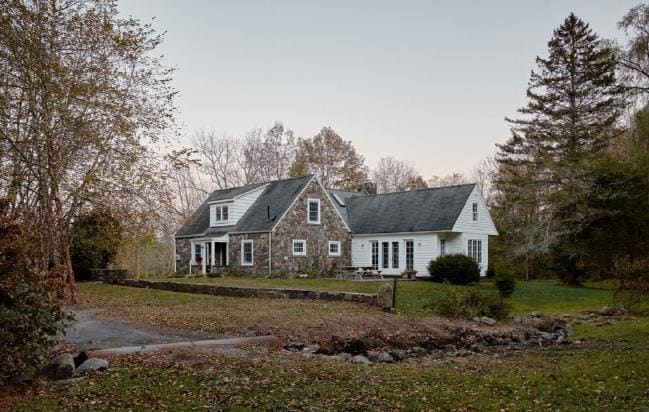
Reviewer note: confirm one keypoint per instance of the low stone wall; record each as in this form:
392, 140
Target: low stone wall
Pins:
248, 292
107, 275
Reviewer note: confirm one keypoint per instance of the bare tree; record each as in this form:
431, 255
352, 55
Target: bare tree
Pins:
448, 180
393, 175
219, 154
484, 174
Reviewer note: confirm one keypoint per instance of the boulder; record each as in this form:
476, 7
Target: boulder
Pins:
384, 357
294, 346
547, 335
417, 350
385, 297
60, 367
536, 314
311, 348
399, 354
487, 321
361, 359
91, 365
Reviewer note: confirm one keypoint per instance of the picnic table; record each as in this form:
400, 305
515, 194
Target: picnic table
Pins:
358, 273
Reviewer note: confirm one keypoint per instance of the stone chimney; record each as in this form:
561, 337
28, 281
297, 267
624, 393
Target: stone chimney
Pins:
368, 187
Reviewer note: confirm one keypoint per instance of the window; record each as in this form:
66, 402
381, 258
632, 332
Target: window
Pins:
475, 212
246, 253
221, 213
474, 250
197, 253
314, 211
386, 255
299, 247
375, 254
334, 248
442, 247
395, 255
410, 255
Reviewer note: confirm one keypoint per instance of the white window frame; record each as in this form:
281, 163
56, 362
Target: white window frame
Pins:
474, 250
308, 211
442, 247
252, 253
297, 241
474, 211
334, 242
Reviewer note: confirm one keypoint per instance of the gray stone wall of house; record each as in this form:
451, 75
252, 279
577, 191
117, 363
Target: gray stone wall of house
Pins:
183, 250
294, 225
259, 252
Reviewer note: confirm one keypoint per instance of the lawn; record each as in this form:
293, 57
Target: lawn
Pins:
414, 298
576, 377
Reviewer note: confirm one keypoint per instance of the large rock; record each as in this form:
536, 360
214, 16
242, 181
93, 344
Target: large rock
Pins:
487, 321
60, 367
361, 359
385, 297
91, 365
384, 357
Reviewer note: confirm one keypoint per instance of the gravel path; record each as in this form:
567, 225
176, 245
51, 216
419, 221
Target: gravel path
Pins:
92, 332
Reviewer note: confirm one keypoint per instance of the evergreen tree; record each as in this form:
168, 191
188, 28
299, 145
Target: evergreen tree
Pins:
573, 104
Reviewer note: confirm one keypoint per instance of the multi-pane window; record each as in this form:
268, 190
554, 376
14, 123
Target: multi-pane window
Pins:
386, 255
475, 212
221, 213
334, 248
442, 247
410, 255
314, 211
395, 255
474, 250
246, 252
375, 253
299, 247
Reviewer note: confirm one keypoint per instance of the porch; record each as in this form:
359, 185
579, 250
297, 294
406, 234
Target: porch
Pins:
209, 255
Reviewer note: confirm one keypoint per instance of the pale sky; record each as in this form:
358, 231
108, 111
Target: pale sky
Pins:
425, 81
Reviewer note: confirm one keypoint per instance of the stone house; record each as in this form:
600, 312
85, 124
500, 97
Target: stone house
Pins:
295, 226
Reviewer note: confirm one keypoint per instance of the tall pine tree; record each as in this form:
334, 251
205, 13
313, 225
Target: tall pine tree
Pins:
573, 104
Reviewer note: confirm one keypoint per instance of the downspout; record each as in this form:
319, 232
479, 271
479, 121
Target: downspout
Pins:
174, 256
270, 252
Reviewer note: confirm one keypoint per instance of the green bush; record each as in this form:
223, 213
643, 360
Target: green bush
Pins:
505, 283
30, 314
467, 303
455, 269
631, 280
491, 271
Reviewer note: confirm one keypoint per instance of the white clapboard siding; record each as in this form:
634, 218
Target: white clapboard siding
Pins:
465, 223
237, 207
425, 250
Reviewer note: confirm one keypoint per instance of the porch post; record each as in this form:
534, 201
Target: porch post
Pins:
212, 257
203, 260
227, 253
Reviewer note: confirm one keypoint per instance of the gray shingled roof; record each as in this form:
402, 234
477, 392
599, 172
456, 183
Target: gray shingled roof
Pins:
423, 210
199, 222
343, 195
279, 195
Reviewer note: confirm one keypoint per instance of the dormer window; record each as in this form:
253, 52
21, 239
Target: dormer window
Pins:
221, 214
475, 212
313, 211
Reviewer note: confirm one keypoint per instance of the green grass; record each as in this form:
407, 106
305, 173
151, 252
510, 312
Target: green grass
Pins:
632, 330
414, 298
557, 379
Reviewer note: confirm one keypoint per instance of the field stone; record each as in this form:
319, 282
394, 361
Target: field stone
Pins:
417, 350
91, 365
399, 354
384, 298
385, 357
361, 359
488, 321
294, 346
60, 367
547, 335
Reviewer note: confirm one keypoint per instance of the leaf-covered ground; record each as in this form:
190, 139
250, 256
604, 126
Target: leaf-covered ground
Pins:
573, 378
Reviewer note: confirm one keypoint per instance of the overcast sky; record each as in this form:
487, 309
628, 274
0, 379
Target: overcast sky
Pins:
425, 81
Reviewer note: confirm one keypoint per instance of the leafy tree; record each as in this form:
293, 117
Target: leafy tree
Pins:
332, 159
393, 175
573, 104
30, 314
96, 237
83, 103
